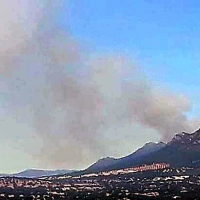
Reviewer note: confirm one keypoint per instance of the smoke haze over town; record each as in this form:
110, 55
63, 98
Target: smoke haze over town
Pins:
67, 100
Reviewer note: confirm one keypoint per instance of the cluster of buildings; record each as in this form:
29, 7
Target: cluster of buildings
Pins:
154, 166
12, 182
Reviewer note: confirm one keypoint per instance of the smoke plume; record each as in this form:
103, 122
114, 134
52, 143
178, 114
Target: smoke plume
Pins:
71, 98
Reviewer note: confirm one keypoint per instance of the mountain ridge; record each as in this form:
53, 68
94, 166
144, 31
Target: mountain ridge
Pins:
182, 150
109, 162
36, 173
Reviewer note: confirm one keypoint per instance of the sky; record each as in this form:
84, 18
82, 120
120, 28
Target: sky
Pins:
81, 80
161, 36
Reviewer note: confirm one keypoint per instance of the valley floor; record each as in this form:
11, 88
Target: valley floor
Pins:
160, 184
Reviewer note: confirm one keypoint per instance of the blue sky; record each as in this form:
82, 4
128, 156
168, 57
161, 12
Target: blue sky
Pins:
161, 36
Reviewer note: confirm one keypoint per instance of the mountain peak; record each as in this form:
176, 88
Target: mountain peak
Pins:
102, 163
186, 140
106, 159
180, 136
150, 144
153, 145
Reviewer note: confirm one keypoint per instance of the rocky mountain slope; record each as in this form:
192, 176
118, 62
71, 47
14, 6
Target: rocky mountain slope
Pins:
102, 163
182, 150
112, 163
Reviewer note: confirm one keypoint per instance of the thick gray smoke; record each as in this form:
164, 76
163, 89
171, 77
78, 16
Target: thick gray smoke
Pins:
70, 98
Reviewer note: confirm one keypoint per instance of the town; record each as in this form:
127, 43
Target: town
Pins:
157, 181
154, 166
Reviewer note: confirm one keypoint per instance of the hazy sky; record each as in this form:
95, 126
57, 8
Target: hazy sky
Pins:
85, 79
